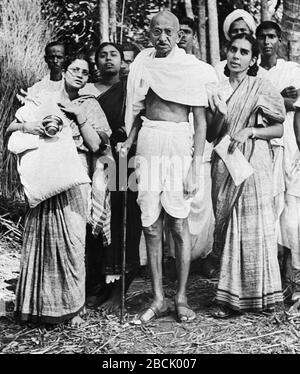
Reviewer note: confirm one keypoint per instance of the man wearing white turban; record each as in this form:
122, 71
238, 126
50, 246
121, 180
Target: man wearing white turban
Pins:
237, 22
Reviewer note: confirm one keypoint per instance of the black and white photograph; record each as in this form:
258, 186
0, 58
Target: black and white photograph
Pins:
149, 180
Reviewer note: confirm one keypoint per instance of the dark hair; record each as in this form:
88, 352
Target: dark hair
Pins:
129, 46
268, 25
105, 44
188, 22
77, 56
252, 71
53, 44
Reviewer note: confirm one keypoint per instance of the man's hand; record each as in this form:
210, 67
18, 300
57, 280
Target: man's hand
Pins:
35, 128
123, 148
239, 138
289, 92
191, 184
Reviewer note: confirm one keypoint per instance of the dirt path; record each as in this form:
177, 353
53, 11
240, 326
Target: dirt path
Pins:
250, 333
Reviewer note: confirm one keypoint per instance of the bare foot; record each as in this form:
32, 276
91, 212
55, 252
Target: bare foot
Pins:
77, 321
112, 305
97, 300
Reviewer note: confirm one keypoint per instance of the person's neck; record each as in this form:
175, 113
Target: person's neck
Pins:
55, 76
189, 51
70, 93
236, 78
108, 80
267, 62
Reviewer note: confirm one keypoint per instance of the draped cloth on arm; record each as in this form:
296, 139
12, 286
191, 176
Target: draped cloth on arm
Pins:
178, 78
254, 97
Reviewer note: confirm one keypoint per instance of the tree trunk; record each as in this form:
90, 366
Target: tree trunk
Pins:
202, 29
189, 8
103, 20
213, 32
264, 10
113, 20
291, 29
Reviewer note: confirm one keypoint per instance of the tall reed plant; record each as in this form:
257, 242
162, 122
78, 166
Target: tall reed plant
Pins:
24, 32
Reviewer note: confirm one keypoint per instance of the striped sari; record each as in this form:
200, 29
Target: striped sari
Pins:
245, 221
51, 286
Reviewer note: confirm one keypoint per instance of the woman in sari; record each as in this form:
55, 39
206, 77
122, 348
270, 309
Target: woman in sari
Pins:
251, 112
105, 262
51, 286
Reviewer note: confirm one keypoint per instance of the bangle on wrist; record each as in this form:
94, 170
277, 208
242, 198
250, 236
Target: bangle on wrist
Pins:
81, 124
254, 133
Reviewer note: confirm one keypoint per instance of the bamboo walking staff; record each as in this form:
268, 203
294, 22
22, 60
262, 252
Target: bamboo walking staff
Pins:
123, 254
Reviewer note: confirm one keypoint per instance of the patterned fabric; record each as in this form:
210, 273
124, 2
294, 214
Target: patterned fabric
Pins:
51, 284
99, 218
245, 228
51, 287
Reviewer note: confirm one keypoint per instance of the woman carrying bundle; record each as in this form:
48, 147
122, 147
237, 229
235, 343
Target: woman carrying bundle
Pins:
51, 286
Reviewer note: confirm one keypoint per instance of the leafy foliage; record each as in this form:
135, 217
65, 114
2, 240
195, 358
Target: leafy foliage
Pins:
23, 36
75, 21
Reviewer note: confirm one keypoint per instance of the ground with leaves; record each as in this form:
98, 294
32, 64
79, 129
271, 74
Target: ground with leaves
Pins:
250, 333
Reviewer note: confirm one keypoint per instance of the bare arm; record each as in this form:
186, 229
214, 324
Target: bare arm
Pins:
265, 133
200, 132
297, 126
35, 128
192, 183
89, 134
125, 146
290, 95
270, 132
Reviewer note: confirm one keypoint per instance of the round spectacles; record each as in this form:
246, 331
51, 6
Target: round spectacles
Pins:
76, 71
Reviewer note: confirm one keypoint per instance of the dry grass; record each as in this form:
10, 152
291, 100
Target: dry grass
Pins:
250, 333
23, 36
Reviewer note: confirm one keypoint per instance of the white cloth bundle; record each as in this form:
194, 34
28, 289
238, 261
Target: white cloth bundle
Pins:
47, 166
51, 168
20, 142
236, 163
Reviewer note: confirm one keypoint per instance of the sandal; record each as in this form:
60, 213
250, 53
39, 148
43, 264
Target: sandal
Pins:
183, 317
156, 313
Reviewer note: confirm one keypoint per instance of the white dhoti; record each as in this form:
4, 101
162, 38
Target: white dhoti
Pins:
201, 219
164, 155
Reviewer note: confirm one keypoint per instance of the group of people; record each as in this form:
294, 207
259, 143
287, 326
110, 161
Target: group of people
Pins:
174, 125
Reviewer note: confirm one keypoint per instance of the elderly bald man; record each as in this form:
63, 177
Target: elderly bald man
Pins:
164, 84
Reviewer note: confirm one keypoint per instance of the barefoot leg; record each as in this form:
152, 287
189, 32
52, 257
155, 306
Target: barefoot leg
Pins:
113, 303
180, 232
153, 236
